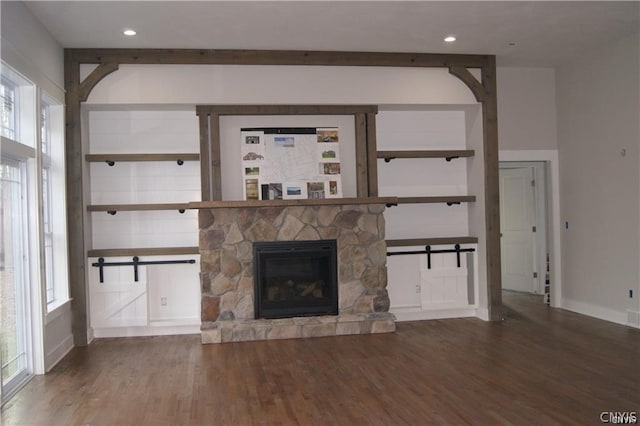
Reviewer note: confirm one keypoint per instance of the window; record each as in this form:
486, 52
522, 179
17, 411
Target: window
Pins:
8, 95
47, 229
45, 124
53, 206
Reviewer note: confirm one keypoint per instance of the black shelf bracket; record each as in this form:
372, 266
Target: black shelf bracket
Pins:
135, 262
388, 159
451, 203
391, 204
111, 163
428, 251
112, 212
181, 211
180, 162
451, 157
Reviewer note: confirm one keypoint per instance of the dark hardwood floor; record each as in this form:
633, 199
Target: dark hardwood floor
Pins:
540, 366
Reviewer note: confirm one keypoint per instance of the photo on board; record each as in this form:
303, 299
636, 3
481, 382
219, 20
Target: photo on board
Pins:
251, 189
327, 135
315, 190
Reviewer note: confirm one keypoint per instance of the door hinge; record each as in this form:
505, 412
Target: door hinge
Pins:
535, 275
533, 229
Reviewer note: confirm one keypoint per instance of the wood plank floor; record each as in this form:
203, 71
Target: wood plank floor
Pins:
540, 366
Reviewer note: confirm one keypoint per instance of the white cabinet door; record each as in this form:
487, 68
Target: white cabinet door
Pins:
118, 301
445, 285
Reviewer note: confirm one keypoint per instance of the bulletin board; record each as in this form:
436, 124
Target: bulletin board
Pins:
291, 163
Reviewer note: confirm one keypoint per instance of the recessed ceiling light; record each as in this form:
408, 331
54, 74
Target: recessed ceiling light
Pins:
129, 32
450, 39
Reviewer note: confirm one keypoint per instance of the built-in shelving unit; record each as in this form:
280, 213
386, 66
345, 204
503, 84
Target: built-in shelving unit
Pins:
138, 215
432, 252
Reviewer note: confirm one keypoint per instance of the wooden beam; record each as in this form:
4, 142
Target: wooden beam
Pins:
215, 159
492, 191
362, 177
477, 88
372, 155
94, 78
275, 57
286, 109
205, 156
75, 201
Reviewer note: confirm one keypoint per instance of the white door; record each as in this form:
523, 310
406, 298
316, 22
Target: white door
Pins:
517, 229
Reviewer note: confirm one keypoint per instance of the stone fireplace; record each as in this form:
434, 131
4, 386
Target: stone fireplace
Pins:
229, 233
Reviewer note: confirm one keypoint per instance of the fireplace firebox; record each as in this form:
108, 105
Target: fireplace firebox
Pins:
295, 278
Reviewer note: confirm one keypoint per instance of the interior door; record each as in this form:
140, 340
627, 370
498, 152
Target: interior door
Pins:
517, 229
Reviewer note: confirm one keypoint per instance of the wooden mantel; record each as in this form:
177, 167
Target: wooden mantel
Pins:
288, 203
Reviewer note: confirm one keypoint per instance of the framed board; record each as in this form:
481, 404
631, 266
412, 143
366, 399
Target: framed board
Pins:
291, 163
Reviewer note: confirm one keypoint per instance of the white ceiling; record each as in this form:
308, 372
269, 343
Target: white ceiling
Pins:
520, 33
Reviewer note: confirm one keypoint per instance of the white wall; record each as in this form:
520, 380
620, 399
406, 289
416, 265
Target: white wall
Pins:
526, 109
241, 84
29, 48
598, 141
528, 131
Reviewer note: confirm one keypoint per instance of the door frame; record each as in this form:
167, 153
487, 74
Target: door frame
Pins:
552, 187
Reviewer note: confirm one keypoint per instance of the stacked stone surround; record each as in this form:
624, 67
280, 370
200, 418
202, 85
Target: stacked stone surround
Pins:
226, 242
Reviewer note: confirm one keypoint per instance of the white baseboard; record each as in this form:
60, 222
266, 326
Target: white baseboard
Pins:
418, 314
140, 331
56, 354
633, 318
483, 314
618, 317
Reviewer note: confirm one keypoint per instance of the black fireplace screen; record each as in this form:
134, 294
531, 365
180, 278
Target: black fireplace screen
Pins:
295, 278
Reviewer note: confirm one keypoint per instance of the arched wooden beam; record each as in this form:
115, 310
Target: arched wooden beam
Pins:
94, 78
78, 92
467, 78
